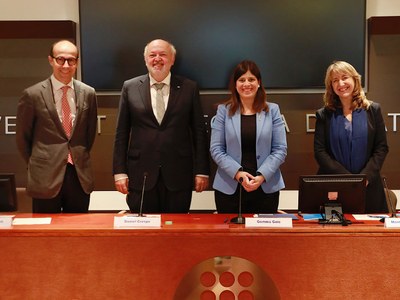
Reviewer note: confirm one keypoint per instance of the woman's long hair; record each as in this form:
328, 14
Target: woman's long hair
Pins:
260, 101
331, 100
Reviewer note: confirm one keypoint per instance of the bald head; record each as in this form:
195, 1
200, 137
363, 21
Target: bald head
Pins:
64, 44
172, 47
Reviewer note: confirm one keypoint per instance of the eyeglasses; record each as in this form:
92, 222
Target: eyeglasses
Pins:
61, 60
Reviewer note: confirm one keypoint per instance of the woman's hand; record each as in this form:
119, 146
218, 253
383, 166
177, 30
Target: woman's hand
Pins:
249, 182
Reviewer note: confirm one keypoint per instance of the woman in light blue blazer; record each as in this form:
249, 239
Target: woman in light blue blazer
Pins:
248, 144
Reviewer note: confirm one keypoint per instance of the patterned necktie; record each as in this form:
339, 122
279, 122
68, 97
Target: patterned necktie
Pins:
66, 117
160, 104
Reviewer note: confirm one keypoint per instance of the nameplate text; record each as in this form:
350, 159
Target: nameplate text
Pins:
148, 221
6, 221
269, 222
392, 222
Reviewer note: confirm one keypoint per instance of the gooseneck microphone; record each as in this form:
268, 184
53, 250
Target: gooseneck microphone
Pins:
145, 174
239, 219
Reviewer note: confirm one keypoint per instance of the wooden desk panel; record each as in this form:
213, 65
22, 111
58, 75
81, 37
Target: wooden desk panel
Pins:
83, 257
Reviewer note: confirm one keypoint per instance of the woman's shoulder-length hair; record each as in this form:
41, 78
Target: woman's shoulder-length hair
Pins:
331, 100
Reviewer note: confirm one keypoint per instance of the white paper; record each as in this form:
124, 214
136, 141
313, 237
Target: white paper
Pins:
31, 221
369, 217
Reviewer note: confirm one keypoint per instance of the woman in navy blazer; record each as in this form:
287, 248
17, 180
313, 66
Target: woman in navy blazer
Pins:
350, 135
248, 144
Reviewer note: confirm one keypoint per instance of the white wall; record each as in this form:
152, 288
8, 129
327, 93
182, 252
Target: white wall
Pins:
39, 10
383, 8
69, 10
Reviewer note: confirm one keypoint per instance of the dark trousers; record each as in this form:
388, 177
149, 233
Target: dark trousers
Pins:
160, 200
70, 199
254, 202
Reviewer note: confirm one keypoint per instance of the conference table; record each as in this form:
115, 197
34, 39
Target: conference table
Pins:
196, 256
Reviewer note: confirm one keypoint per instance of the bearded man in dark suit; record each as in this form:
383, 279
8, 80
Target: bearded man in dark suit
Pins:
166, 145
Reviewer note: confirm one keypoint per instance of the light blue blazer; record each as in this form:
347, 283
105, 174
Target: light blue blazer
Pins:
226, 148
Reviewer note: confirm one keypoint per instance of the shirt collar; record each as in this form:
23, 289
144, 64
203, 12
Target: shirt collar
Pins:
166, 81
58, 84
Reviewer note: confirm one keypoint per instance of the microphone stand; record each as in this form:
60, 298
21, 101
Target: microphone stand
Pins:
341, 217
142, 196
239, 219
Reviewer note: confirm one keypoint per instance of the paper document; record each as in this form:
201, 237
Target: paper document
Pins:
31, 221
370, 217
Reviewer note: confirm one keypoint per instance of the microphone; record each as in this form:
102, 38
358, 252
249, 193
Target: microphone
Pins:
239, 219
145, 174
393, 209
341, 217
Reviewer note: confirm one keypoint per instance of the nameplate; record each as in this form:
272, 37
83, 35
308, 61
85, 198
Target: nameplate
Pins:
6, 221
392, 222
269, 222
147, 221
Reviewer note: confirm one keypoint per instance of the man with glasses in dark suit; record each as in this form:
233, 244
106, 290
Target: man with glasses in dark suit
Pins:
56, 128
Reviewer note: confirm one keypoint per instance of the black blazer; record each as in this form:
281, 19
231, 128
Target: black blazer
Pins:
377, 150
178, 147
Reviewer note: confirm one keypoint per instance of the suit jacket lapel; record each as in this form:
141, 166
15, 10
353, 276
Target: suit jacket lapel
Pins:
174, 91
48, 99
144, 91
79, 98
236, 122
260, 120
